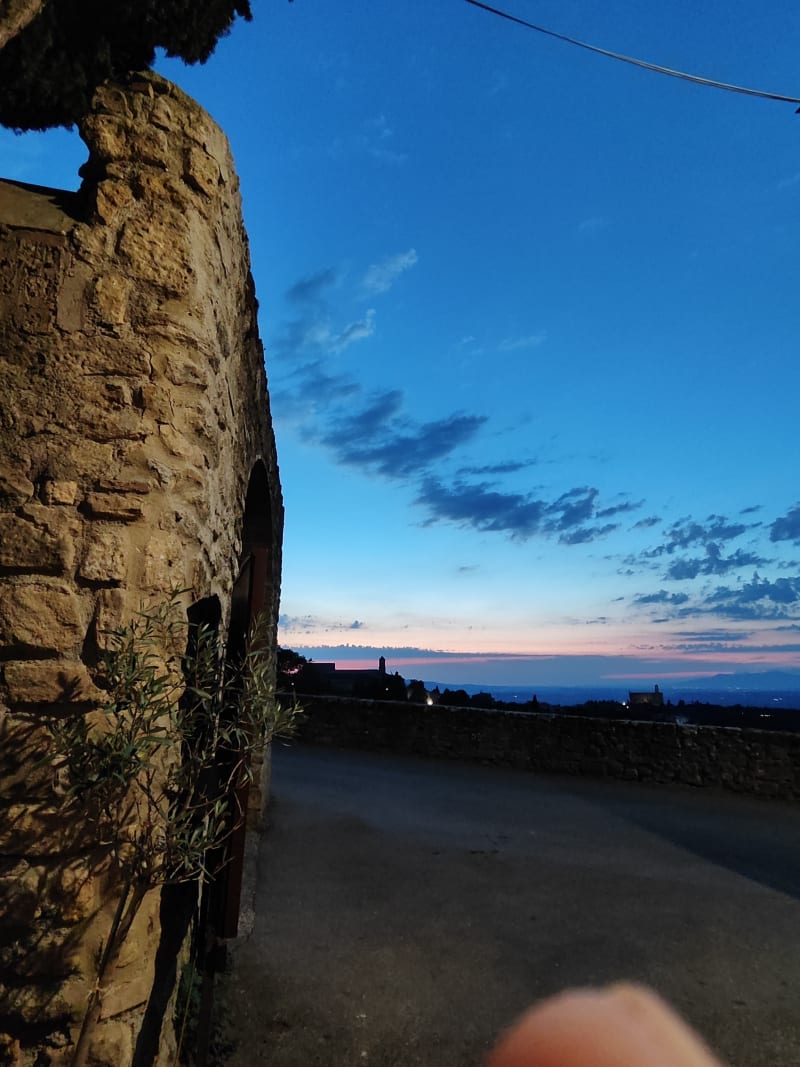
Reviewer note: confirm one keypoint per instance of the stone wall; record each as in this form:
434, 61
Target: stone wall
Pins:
747, 761
133, 419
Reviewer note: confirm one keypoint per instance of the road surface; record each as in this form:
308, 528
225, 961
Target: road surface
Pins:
408, 909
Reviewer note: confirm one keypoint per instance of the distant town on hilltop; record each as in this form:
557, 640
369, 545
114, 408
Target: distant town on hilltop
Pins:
713, 702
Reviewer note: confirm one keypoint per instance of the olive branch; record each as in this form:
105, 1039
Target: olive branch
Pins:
155, 771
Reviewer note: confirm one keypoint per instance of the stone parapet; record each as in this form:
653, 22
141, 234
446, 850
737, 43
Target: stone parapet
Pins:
763, 762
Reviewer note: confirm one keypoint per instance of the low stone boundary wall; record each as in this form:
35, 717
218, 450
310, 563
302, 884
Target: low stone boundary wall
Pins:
745, 761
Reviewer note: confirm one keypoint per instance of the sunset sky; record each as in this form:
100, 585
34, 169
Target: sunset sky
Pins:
531, 320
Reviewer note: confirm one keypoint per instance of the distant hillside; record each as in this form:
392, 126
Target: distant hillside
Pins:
772, 680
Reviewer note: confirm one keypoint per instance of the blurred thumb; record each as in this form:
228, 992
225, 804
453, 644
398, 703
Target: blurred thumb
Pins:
621, 1026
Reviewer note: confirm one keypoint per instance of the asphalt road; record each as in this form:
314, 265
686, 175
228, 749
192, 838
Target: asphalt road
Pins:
407, 910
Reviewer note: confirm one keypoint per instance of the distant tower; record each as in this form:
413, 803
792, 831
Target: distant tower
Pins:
382, 665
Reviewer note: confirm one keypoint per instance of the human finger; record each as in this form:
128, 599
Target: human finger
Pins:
621, 1026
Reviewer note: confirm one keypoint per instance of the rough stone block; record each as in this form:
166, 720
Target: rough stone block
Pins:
156, 401
50, 682
182, 370
108, 616
110, 299
116, 355
23, 744
40, 831
105, 555
42, 615
20, 891
130, 484
201, 171
112, 199
76, 890
112, 1045
121, 507
10, 1050
40, 1003
108, 136
179, 445
71, 300
133, 976
60, 492
156, 250
15, 487
164, 560
26, 547
163, 115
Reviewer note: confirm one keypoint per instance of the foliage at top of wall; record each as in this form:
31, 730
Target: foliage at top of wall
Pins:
51, 67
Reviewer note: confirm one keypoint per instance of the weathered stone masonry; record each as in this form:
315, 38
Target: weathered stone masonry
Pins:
133, 419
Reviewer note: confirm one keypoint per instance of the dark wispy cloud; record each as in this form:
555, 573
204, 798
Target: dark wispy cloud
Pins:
312, 330
645, 524
509, 467
311, 624
661, 597
619, 509
685, 533
573, 508
310, 387
707, 641
724, 640
759, 598
711, 535
310, 289
702, 636
314, 333
713, 563
382, 439
483, 506
727, 646
582, 535
297, 336
787, 527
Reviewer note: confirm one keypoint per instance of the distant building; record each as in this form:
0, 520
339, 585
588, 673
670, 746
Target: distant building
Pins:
370, 683
654, 699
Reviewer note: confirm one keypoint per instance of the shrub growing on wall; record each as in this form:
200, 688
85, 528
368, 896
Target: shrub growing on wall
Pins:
154, 773
50, 67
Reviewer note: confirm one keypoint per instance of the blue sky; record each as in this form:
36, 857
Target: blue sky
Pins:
531, 323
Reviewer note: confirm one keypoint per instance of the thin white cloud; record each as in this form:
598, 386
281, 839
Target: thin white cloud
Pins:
387, 155
593, 224
355, 331
380, 127
380, 277
499, 82
787, 183
513, 344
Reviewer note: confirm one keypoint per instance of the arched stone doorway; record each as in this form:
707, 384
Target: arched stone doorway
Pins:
251, 597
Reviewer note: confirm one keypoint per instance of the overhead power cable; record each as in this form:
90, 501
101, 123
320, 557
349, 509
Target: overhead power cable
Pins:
695, 78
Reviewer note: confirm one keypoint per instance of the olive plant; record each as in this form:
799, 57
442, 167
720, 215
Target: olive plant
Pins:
154, 771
